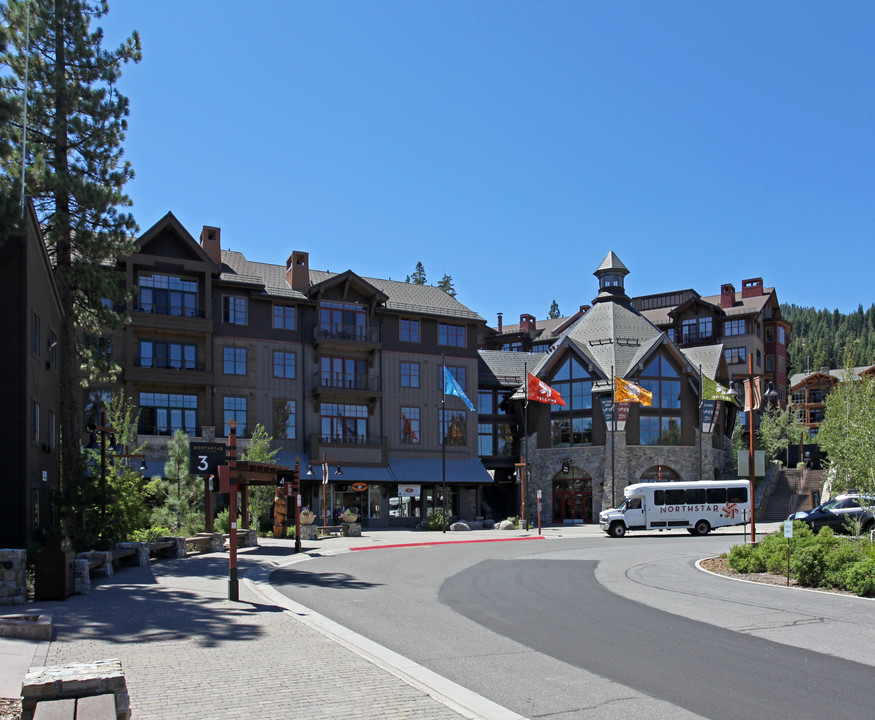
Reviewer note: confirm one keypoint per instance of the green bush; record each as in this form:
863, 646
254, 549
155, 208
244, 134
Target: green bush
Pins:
435, 520
151, 534
746, 559
223, 522
859, 578
808, 565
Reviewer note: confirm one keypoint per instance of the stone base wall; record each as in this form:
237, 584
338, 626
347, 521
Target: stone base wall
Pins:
13, 583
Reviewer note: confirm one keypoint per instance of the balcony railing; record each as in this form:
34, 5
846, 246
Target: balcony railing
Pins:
347, 381
144, 429
353, 333
173, 310
695, 336
169, 364
350, 440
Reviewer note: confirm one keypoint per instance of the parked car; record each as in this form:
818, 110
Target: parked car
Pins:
840, 513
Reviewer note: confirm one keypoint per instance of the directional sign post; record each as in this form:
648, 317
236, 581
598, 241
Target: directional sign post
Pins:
204, 460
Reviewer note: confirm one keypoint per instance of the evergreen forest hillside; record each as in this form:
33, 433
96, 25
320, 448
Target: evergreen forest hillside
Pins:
828, 338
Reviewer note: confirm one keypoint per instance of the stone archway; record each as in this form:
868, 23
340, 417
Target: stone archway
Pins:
572, 496
659, 473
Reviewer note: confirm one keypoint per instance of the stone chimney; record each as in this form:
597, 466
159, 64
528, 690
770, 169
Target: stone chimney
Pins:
752, 287
584, 308
727, 295
298, 270
211, 242
499, 322
527, 323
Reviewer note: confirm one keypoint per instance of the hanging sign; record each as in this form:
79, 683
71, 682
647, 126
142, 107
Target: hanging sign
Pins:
359, 486
205, 457
709, 411
409, 491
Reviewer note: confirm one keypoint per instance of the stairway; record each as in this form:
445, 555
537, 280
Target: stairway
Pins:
791, 493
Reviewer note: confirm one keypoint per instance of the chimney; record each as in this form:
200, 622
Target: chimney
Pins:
752, 287
211, 242
727, 295
499, 322
298, 271
584, 308
527, 323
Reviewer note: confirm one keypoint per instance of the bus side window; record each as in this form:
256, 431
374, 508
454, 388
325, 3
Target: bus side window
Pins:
675, 497
737, 495
695, 496
658, 498
716, 495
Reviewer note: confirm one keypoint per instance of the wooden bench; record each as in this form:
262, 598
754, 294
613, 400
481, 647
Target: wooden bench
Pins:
76, 682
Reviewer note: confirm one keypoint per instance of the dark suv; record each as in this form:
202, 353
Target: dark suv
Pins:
840, 513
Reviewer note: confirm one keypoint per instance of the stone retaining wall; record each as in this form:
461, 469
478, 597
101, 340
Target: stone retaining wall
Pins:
13, 585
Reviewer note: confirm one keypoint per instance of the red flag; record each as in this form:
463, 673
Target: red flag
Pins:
541, 392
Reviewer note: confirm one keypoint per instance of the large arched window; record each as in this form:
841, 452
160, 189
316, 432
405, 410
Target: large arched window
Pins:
571, 424
661, 422
659, 473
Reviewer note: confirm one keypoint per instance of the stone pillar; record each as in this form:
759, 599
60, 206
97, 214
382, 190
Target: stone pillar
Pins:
13, 588
81, 577
142, 551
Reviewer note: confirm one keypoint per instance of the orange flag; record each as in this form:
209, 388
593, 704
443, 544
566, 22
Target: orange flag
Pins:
541, 392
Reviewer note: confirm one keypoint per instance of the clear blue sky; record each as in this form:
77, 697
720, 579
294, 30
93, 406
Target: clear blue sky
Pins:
513, 144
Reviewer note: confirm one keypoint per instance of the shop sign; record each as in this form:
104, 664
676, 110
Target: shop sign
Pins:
408, 491
359, 486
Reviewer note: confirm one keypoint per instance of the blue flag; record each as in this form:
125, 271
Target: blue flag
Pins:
452, 387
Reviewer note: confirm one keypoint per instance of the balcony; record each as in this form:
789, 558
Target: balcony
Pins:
697, 337
346, 336
350, 449
169, 364
174, 310
346, 386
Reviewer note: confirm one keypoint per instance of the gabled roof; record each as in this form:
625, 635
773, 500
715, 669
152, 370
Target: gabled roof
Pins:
505, 369
348, 279
833, 375
186, 242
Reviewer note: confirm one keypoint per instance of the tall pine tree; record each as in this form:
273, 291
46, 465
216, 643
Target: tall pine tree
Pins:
75, 173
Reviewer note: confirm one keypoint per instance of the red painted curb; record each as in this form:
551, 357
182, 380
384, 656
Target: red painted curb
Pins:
443, 542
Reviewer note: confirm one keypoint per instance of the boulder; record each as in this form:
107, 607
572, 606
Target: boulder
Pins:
506, 525
459, 527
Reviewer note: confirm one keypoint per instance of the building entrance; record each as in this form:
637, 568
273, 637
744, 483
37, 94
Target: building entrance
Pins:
572, 497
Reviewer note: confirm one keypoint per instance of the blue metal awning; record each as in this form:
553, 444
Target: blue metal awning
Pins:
429, 471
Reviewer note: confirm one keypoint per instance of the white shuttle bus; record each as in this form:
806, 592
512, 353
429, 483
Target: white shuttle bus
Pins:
696, 506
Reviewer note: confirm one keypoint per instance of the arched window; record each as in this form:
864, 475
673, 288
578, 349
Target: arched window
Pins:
571, 424
661, 422
659, 473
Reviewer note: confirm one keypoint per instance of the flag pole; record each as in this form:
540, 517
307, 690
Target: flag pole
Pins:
701, 403
525, 469
614, 434
443, 441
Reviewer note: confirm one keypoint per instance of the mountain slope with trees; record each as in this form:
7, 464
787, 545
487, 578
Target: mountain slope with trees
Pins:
828, 338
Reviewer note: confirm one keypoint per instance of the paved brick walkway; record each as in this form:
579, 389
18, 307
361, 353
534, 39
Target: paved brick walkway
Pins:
188, 653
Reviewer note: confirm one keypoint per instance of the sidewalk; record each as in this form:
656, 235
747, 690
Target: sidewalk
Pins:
189, 653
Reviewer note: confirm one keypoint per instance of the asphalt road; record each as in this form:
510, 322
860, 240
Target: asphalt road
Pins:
592, 627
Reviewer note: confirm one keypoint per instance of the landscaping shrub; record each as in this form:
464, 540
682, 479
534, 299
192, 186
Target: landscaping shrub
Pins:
223, 522
151, 534
435, 520
859, 578
746, 559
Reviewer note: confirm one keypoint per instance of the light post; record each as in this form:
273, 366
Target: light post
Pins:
770, 394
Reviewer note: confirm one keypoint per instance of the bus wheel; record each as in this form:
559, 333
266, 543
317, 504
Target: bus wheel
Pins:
618, 529
702, 527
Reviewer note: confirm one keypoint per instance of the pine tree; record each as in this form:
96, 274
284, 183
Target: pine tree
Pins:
554, 311
418, 277
76, 122
182, 506
446, 284
261, 497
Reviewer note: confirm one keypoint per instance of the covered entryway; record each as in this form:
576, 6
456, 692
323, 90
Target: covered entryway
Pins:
572, 496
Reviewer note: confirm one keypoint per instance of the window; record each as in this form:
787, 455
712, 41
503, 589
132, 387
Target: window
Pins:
735, 327
454, 427
234, 360
770, 334
571, 424
486, 402
409, 330
36, 334
516, 346
697, 330
453, 335
660, 424
770, 363
36, 422
283, 364
484, 439
540, 347
284, 317
782, 335
735, 355
782, 364
344, 423
235, 409
409, 374
345, 321
284, 413
340, 372
234, 310
167, 355
409, 425
612, 280
670, 333
165, 413
167, 295
759, 329
759, 358
53, 351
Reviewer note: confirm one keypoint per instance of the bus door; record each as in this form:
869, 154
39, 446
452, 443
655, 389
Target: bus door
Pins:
634, 513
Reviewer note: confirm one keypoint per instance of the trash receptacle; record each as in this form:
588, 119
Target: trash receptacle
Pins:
54, 567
